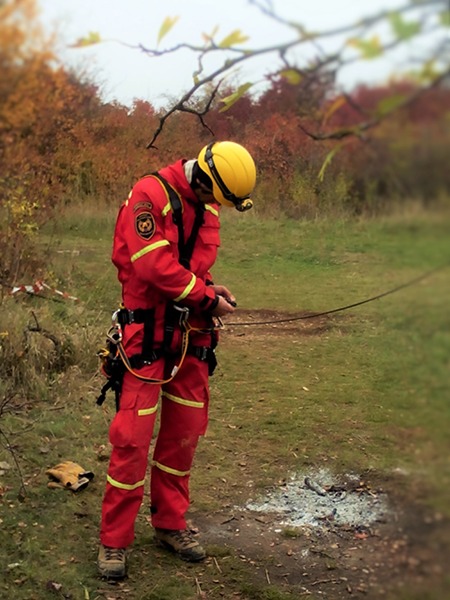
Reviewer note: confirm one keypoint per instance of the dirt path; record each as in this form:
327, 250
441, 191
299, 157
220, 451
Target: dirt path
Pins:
407, 548
336, 561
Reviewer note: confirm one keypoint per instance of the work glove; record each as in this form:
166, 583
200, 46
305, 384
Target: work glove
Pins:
69, 475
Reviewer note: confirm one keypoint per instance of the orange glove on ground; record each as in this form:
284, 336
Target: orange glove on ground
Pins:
69, 475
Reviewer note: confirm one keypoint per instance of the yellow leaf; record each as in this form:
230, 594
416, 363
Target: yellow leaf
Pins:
336, 105
235, 37
167, 25
92, 38
388, 105
329, 157
209, 37
368, 48
232, 98
292, 76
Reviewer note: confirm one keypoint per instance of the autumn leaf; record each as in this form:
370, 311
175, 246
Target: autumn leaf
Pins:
209, 37
388, 105
292, 76
336, 105
429, 71
403, 29
235, 37
368, 48
329, 157
92, 38
232, 98
167, 25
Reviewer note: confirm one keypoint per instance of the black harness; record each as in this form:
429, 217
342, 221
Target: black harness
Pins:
146, 316
185, 247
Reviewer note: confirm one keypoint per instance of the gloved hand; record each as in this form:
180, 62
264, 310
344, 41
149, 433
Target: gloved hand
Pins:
69, 475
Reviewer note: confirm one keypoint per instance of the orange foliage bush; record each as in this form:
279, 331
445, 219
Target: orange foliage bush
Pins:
59, 142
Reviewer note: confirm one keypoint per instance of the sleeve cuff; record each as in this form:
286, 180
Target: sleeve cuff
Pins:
208, 304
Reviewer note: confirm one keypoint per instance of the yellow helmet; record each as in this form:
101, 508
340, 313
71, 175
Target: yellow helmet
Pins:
232, 172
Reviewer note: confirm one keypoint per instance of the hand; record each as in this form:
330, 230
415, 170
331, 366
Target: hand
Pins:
223, 307
221, 290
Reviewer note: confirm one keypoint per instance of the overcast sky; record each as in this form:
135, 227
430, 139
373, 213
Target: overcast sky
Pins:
125, 74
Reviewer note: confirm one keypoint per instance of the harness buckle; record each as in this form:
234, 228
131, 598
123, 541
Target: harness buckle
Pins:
202, 352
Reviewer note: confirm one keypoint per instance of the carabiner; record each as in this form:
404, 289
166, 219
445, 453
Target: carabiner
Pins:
184, 314
218, 323
114, 334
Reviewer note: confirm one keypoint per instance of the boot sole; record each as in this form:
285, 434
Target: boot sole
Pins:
184, 557
111, 574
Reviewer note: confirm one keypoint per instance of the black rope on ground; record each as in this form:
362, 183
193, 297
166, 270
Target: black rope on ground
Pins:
341, 308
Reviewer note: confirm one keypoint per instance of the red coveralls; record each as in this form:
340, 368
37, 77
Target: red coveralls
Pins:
146, 256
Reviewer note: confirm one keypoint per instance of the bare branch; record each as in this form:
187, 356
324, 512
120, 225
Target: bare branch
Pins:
38, 329
180, 107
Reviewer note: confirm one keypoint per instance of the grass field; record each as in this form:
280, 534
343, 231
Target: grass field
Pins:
365, 390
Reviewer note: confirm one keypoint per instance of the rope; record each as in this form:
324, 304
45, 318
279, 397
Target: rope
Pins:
184, 348
341, 308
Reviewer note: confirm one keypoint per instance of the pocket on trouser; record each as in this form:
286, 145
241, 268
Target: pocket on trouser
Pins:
132, 426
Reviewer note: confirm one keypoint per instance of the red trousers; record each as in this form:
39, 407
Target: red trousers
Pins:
183, 419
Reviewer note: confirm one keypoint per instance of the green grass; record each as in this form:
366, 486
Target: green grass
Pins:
370, 392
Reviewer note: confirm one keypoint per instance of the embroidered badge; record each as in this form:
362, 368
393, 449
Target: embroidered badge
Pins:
145, 225
138, 205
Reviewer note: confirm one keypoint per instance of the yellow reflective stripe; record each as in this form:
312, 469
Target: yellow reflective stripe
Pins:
212, 210
166, 209
192, 403
147, 411
148, 249
187, 289
169, 469
124, 486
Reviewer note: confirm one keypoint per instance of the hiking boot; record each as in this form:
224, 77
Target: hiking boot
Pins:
182, 542
112, 562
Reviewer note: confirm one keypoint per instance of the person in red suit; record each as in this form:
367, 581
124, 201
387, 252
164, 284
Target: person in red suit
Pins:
165, 243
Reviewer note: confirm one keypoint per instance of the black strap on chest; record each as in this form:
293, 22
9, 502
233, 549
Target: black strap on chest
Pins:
185, 247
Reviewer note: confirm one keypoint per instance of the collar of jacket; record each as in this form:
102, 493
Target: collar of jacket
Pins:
175, 174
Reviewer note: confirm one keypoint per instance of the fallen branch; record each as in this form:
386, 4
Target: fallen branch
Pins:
38, 329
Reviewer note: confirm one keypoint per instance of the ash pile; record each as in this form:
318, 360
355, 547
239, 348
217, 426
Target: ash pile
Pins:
322, 499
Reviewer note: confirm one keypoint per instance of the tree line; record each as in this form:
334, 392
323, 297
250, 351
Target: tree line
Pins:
60, 143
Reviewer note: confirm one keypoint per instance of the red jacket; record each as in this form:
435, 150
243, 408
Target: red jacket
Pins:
145, 250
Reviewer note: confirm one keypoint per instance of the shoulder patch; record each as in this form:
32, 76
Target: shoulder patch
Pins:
144, 224
138, 205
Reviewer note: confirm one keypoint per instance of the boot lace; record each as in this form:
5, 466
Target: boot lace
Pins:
185, 537
115, 553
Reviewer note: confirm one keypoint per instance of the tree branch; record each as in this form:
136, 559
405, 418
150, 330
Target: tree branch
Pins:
360, 128
331, 62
